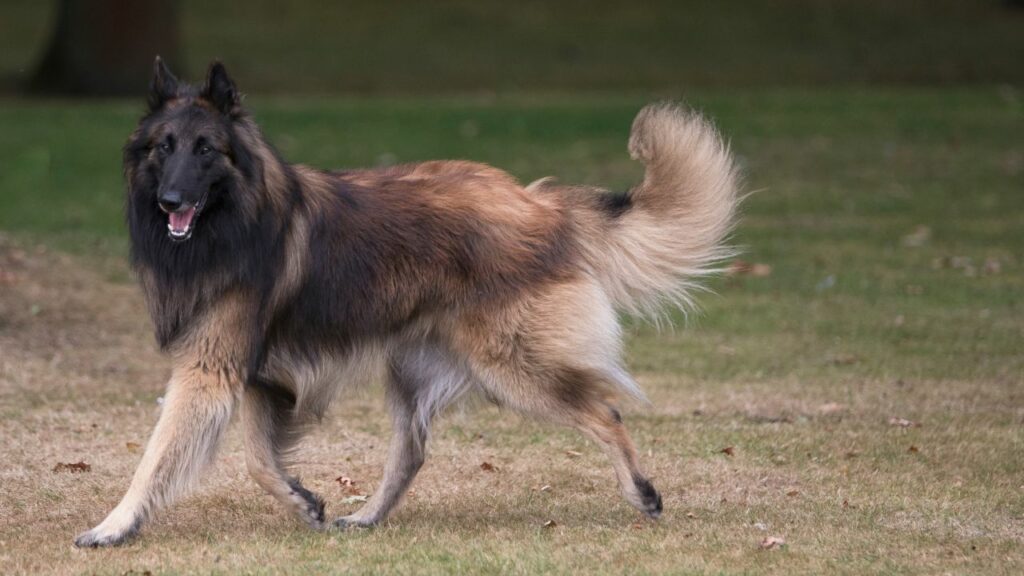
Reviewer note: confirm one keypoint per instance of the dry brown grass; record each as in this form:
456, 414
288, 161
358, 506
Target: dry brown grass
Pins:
814, 462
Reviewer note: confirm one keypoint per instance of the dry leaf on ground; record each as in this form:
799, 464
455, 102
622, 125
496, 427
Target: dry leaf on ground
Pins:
74, 467
744, 268
831, 408
348, 485
772, 543
918, 237
902, 422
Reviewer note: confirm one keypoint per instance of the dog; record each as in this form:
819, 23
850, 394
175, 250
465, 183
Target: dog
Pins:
273, 285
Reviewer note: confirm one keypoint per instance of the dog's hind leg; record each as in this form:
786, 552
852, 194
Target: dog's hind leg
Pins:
421, 382
577, 397
405, 457
271, 429
558, 360
602, 422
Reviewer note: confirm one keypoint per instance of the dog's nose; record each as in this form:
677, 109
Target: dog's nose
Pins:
169, 201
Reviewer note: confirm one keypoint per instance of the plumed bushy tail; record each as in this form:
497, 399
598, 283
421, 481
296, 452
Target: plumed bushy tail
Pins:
672, 233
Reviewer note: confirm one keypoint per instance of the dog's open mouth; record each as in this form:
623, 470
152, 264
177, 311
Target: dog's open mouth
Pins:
181, 222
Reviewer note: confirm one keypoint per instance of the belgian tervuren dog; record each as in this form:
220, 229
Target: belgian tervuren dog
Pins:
273, 285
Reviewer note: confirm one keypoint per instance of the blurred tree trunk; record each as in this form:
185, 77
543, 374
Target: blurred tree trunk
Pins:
106, 47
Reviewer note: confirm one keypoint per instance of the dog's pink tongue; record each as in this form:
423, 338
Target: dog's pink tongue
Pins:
180, 221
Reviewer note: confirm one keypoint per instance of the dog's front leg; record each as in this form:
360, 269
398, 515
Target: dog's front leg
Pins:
196, 411
206, 384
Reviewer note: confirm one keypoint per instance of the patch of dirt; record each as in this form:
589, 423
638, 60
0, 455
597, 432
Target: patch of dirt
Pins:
65, 330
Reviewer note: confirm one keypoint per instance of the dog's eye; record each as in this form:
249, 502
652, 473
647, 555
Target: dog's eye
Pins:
205, 150
164, 147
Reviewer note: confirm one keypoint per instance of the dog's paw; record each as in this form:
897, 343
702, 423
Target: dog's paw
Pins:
648, 499
308, 505
352, 521
100, 538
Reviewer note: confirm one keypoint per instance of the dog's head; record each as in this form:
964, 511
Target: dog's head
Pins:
187, 160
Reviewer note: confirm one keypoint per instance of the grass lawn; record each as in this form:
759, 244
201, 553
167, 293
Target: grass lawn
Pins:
869, 377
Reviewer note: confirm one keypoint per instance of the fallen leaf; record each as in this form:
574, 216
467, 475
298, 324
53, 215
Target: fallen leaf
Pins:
851, 454
573, 454
744, 268
918, 237
913, 449
760, 526
771, 418
348, 486
637, 525
728, 451
772, 543
132, 447
992, 266
902, 422
826, 283
545, 488
691, 515
846, 504
831, 408
354, 499
792, 493
73, 468
487, 467
549, 524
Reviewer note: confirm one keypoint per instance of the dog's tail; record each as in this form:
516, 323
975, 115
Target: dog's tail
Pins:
668, 231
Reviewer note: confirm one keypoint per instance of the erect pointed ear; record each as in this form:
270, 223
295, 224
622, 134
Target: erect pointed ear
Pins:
220, 90
163, 87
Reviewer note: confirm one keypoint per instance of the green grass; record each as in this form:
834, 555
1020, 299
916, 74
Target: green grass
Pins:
800, 374
393, 46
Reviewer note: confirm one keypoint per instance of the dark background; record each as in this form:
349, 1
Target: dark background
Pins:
482, 46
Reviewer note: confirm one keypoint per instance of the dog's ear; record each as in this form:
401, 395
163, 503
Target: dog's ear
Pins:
220, 90
163, 87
